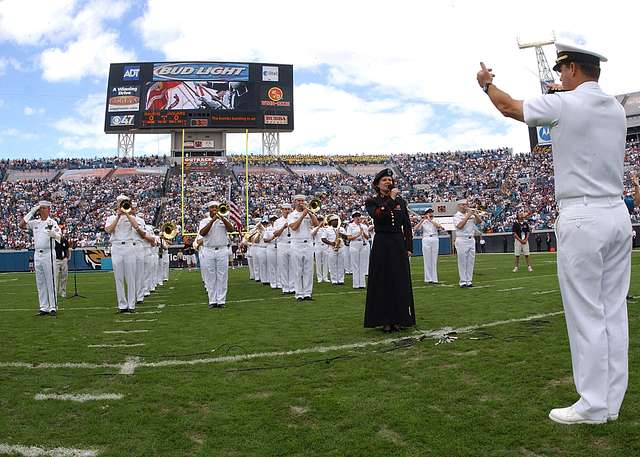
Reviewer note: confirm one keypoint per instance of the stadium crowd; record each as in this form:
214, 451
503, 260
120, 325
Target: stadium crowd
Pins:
495, 181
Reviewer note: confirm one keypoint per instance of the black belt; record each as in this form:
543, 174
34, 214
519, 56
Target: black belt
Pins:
40, 251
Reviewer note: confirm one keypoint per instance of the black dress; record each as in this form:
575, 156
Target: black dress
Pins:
389, 293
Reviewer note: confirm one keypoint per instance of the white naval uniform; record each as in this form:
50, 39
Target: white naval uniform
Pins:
166, 261
124, 254
140, 255
465, 248
594, 235
358, 250
336, 257
43, 241
272, 256
215, 262
346, 254
284, 257
301, 255
320, 255
261, 254
149, 262
201, 255
430, 249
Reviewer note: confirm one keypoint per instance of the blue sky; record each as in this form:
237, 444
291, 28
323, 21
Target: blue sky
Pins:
370, 79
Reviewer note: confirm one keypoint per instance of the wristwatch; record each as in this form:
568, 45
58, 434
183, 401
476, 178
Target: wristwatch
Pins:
485, 87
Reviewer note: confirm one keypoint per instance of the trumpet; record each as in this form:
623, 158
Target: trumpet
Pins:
314, 205
223, 209
169, 230
125, 206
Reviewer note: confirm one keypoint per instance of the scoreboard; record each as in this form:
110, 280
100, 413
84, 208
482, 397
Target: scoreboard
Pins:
166, 96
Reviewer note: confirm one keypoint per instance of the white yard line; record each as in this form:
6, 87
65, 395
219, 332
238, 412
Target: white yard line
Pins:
132, 363
137, 320
81, 398
125, 331
116, 345
509, 290
161, 305
543, 292
35, 451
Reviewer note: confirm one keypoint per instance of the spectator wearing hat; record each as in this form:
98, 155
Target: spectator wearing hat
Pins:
300, 222
430, 245
389, 301
358, 236
282, 234
465, 220
588, 133
45, 230
215, 263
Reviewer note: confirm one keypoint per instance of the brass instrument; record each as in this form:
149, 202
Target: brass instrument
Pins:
125, 206
169, 230
314, 205
338, 242
223, 209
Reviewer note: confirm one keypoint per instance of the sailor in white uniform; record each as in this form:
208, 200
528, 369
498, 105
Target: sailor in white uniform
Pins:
215, 262
282, 234
272, 253
45, 232
430, 246
333, 237
588, 137
358, 235
300, 222
320, 251
465, 223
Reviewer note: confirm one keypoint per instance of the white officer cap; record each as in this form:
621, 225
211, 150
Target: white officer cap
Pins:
300, 197
567, 53
265, 220
356, 214
463, 201
332, 217
121, 197
285, 206
44, 203
213, 203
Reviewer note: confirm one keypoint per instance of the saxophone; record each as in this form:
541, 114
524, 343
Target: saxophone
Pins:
338, 244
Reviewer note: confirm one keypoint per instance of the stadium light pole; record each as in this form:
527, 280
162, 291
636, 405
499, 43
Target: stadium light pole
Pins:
544, 71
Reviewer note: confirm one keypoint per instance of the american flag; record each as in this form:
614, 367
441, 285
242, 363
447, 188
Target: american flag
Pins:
235, 215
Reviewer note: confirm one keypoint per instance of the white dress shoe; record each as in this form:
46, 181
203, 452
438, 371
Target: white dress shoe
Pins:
569, 416
612, 417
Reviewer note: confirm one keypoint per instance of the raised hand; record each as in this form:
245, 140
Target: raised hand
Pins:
485, 75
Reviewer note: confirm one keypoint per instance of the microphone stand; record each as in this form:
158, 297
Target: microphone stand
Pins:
75, 276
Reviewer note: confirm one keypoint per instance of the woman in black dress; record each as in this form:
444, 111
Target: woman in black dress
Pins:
389, 295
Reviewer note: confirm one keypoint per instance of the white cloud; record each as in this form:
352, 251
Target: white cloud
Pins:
19, 134
9, 63
32, 22
425, 52
29, 111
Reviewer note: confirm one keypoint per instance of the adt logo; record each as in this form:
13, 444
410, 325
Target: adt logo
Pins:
544, 133
131, 73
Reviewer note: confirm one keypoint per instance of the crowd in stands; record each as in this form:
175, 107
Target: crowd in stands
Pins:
495, 181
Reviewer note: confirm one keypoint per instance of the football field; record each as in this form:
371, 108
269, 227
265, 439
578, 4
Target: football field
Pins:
270, 376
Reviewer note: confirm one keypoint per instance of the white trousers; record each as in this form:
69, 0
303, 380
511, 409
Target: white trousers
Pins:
215, 265
250, 261
261, 254
272, 265
347, 260
62, 271
45, 280
201, 256
140, 273
166, 264
149, 271
302, 268
322, 264
285, 267
336, 264
466, 250
358, 251
430, 249
124, 258
594, 270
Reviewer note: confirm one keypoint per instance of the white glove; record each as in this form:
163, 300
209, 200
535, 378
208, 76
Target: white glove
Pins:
31, 213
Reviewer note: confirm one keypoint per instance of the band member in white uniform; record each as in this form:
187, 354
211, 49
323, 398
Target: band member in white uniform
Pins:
272, 253
140, 252
45, 232
588, 136
282, 232
261, 252
430, 246
301, 221
346, 252
197, 246
465, 222
358, 235
126, 235
320, 251
332, 237
150, 260
213, 230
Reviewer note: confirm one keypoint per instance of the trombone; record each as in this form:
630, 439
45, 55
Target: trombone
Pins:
169, 230
314, 205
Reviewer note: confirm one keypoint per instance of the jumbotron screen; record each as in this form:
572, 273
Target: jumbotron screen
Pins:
166, 96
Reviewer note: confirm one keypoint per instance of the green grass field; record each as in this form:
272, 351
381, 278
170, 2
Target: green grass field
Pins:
302, 384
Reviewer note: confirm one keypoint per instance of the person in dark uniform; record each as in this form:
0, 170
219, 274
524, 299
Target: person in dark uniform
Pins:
389, 300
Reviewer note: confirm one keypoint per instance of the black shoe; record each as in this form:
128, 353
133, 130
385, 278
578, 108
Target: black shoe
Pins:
122, 311
131, 310
469, 285
463, 286
387, 330
308, 298
42, 313
212, 305
221, 305
139, 302
299, 298
53, 313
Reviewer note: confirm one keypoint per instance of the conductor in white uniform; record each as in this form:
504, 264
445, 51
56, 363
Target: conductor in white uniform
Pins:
588, 136
45, 230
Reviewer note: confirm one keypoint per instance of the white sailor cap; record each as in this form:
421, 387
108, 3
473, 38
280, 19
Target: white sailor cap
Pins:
332, 217
568, 53
213, 203
44, 203
300, 197
462, 202
265, 220
122, 197
286, 206
356, 214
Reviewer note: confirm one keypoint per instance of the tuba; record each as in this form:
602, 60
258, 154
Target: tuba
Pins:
169, 230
